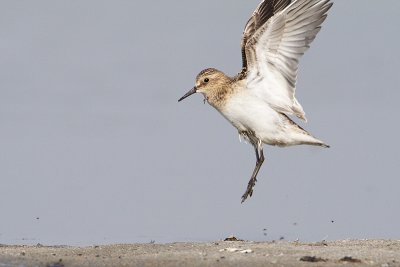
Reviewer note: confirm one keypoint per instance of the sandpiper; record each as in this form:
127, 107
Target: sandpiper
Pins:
259, 100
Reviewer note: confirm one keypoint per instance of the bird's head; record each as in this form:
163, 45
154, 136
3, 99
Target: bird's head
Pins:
210, 82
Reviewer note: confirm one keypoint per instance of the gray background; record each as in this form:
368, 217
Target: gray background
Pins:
95, 148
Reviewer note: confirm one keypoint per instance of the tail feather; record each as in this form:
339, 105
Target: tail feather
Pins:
301, 136
319, 143
325, 145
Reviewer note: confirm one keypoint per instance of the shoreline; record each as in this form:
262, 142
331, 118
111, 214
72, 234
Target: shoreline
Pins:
382, 253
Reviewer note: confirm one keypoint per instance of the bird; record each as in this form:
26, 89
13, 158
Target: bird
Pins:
260, 101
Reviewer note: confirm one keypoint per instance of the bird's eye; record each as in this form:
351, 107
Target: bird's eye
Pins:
206, 80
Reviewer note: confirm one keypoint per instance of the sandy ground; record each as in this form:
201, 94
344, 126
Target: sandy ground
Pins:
382, 253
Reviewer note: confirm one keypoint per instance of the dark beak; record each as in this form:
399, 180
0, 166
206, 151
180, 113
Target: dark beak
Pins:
191, 92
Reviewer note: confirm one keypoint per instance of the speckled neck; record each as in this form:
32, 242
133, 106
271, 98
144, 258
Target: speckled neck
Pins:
225, 88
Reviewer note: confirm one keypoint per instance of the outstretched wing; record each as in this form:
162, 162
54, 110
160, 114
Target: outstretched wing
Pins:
272, 52
265, 10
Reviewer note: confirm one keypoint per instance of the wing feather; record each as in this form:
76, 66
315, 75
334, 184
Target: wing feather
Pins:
272, 51
265, 10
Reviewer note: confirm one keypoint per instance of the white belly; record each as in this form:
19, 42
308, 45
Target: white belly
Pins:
249, 113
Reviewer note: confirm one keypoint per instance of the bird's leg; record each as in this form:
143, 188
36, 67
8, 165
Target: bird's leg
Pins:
260, 159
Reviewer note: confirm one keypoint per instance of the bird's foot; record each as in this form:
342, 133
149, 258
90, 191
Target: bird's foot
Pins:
249, 190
